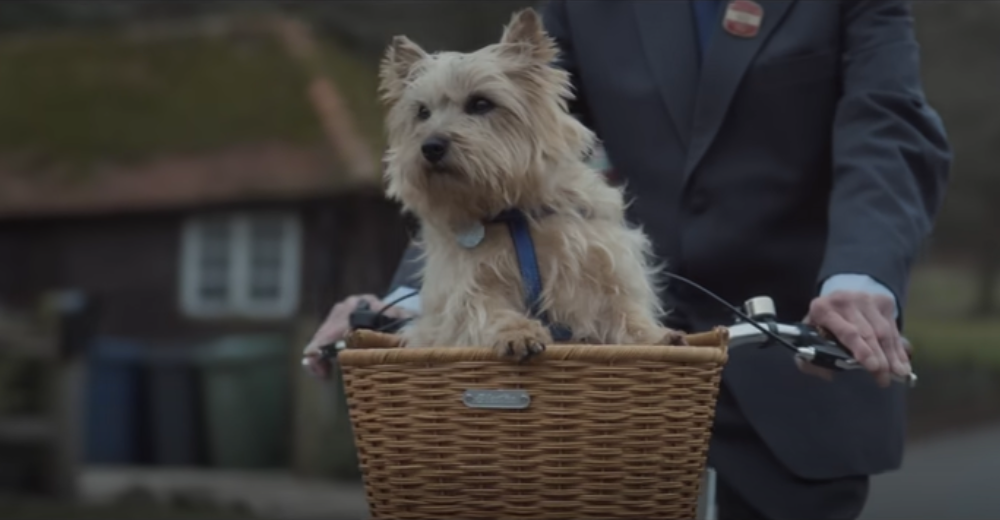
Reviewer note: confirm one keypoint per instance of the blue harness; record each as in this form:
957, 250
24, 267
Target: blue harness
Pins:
524, 246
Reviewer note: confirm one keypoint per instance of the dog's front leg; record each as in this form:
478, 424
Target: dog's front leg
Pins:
520, 338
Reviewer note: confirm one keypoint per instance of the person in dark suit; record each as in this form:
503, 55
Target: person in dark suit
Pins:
794, 155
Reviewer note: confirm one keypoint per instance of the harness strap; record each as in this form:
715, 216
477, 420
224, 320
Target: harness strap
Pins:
524, 247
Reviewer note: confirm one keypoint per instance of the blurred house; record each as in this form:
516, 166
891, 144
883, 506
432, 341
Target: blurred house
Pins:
197, 178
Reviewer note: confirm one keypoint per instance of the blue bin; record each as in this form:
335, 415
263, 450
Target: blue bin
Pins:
113, 430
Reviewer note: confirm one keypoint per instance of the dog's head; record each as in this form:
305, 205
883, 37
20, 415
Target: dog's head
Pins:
470, 134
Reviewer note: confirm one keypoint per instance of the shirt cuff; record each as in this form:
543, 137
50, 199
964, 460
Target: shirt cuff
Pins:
858, 283
410, 303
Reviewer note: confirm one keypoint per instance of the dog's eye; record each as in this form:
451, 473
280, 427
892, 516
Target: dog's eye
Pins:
479, 105
423, 113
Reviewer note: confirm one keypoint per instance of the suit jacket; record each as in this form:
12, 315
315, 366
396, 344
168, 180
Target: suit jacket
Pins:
776, 162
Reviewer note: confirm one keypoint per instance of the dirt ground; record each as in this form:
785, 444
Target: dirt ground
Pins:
39, 509
265, 495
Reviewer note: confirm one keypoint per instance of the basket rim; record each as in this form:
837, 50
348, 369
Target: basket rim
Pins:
367, 348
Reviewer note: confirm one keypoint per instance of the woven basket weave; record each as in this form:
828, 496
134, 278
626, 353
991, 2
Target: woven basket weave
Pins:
611, 431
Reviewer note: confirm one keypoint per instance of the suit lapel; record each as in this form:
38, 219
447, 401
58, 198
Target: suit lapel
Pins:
723, 68
669, 38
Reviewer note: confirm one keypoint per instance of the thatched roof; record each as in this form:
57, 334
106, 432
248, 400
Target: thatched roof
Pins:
149, 117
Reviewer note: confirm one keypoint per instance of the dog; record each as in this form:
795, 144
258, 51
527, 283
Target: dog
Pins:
475, 135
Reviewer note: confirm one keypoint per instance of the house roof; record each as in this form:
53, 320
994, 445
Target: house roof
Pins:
167, 116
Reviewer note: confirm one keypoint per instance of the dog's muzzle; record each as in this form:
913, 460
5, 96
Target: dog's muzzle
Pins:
435, 149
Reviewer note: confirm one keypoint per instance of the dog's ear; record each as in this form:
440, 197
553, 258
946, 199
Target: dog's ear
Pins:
396, 66
525, 37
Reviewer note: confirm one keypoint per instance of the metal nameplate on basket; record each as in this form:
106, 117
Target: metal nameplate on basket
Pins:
497, 399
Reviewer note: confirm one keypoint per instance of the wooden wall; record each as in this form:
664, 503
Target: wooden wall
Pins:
129, 263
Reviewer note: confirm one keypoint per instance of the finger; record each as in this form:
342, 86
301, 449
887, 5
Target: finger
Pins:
333, 330
338, 322
847, 333
317, 366
883, 357
312, 349
813, 370
881, 369
330, 332
853, 331
320, 369
886, 307
903, 367
342, 306
888, 339
340, 311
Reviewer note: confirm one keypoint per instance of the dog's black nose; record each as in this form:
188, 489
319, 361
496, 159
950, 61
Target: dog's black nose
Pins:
434, 149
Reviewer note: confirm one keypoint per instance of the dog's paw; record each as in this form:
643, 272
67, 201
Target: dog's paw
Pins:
523, 342
673, 338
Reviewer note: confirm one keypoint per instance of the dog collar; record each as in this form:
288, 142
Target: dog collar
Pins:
524, 247
473, 235
508, 215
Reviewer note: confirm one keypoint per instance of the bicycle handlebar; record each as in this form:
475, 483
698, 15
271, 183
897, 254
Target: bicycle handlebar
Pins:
806, 342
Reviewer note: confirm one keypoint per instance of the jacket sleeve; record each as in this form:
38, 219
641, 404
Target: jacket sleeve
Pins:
891, 157
408, 271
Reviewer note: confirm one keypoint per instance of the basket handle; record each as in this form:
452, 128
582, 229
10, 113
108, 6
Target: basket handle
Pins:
717, 337
370, 339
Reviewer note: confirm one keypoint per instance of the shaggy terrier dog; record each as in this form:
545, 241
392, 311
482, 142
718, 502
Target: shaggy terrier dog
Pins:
524, 243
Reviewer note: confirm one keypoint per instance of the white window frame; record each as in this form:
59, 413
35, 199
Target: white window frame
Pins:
239, 304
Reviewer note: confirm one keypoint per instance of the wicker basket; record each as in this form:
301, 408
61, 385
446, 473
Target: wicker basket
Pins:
582, 432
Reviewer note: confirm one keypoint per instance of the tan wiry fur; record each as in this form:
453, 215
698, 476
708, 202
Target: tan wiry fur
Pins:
526, 153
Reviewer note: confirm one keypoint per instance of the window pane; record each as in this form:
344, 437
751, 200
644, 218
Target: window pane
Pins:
267, 236
214, 262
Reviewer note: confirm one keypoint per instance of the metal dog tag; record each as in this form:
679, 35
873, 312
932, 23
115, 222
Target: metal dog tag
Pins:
497, 399
472, 237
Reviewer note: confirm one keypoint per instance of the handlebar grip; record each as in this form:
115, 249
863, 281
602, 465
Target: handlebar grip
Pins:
365, 318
